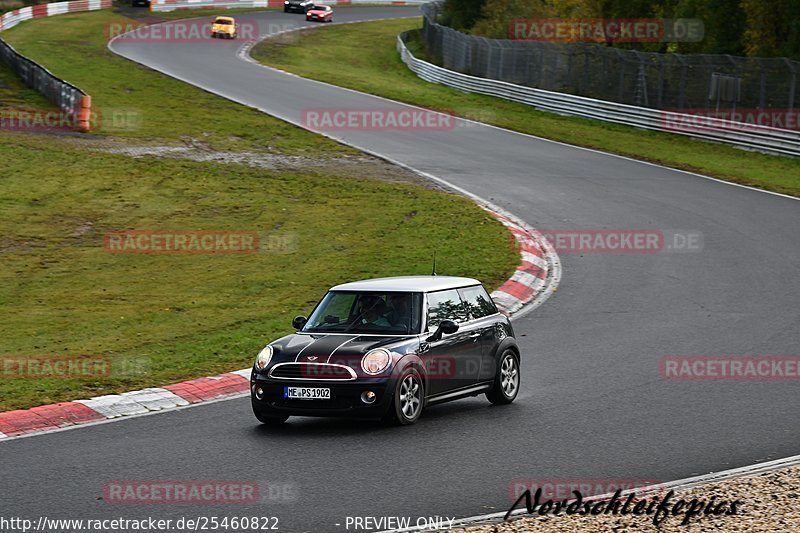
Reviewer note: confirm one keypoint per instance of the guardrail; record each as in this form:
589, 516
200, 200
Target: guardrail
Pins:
745, 135
66, 96
171, 5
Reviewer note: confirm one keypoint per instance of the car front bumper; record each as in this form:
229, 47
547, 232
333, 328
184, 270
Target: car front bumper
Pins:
345, 400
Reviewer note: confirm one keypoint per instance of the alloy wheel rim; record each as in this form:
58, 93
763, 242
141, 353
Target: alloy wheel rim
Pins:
509, 376
409, 397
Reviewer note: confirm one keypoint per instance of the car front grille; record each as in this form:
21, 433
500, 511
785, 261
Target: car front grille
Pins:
312, 372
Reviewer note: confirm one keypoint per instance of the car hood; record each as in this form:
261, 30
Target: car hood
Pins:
340, 348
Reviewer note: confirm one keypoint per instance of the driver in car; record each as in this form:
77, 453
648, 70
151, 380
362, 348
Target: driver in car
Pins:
370, 309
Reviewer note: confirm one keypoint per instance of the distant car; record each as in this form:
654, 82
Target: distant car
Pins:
320, 13
143, 3
223, 27
386, 348
297, 6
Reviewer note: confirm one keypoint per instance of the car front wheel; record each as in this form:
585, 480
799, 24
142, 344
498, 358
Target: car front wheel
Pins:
408, 399
506, 381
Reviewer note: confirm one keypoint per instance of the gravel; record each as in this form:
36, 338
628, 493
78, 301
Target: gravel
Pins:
767, 502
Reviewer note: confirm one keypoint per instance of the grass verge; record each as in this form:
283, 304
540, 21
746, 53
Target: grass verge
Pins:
363, 57
166, 110
161, 318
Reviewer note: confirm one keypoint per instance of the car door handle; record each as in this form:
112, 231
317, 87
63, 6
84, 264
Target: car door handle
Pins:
476, 335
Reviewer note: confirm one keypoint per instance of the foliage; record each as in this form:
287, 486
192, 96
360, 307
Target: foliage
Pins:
756, 28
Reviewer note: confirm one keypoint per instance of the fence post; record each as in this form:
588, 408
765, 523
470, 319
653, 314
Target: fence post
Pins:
85, 113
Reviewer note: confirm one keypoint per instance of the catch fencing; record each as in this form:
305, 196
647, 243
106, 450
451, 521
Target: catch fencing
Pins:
765, 139
642, 79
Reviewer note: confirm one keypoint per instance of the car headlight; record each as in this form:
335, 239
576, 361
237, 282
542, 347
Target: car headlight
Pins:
264, 357
376, 361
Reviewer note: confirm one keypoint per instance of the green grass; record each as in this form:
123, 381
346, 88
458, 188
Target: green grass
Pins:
165, 318
363, 57
168, 110
15, 95
62, 293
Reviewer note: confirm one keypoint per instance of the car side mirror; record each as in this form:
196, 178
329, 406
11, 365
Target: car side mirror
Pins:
299, 321
445, 326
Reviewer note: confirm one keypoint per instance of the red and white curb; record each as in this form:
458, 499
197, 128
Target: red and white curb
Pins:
533, 278
63, 415
532, 274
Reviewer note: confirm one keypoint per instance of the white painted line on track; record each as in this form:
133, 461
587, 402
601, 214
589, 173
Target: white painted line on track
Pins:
247, 47
677, 485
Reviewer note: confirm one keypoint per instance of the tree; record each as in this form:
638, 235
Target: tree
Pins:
772, 28
461, 14
498, 14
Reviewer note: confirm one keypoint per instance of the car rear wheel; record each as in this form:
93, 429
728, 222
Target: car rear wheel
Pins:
506, 380
409, 397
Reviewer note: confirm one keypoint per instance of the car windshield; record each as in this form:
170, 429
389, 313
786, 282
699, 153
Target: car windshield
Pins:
224, 22
391, 313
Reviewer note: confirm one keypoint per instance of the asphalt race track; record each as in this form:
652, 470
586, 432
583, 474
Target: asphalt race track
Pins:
593, 404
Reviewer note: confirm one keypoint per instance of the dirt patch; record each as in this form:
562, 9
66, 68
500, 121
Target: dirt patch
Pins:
358, 166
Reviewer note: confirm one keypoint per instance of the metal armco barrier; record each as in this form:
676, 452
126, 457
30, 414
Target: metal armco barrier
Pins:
171, 5
66, 96
761, 138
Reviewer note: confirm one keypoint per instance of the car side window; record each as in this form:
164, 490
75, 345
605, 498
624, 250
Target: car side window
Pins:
445, 305
477, 301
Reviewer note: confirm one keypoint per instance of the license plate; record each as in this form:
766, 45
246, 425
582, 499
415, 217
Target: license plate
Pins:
307, 393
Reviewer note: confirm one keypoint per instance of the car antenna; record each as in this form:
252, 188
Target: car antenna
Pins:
433, 270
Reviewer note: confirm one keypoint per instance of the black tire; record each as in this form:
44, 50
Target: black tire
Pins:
270, 420
506, 379
285, 9
404, 411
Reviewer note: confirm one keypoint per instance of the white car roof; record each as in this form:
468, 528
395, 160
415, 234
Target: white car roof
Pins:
408, 284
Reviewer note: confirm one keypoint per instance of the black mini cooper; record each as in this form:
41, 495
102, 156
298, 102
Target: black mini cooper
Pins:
386, 348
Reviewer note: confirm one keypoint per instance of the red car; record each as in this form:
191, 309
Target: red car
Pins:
320, 14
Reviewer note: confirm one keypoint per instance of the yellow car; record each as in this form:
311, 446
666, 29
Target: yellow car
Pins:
223, 27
